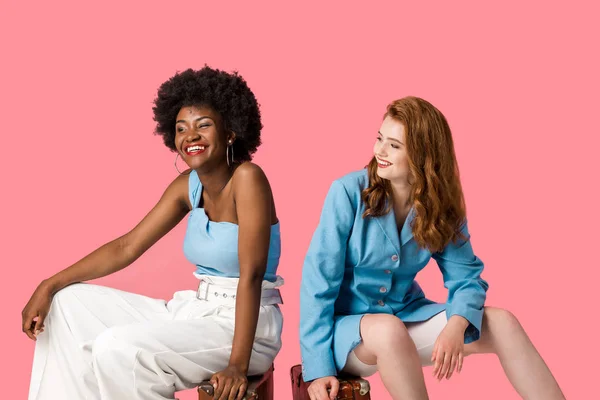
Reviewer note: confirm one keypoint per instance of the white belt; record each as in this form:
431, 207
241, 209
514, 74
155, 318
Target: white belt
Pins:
210, 291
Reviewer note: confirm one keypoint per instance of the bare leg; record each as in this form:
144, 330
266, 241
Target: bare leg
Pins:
503, 335
386, 342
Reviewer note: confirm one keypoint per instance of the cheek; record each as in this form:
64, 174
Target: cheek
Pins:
216, 138
376, 147
405, 161
401, 160
177, 142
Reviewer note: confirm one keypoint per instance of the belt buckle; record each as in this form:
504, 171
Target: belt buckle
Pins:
203, 296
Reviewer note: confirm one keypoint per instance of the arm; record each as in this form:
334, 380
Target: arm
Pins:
322, 276
111, 257
253, 201
121, 252
461, 270
253, 206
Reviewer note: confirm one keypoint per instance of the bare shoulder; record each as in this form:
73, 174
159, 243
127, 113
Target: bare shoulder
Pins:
249, 173
251, 186
178, 189
181, 181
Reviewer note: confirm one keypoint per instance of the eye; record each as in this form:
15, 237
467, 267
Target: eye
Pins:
395, 146
203, 126
179, 129
379, 138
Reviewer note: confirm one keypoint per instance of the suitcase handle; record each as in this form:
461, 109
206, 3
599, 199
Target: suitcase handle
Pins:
364, 386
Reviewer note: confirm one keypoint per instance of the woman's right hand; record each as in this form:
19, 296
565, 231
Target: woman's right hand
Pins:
317, 390
37, 306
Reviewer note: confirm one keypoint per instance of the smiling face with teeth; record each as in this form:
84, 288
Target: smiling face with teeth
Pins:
390, 152
200, 138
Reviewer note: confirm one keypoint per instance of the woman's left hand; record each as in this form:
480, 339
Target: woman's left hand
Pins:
229, 384
448, 351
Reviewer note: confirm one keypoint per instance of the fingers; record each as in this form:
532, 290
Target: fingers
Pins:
238, 390
445, 366
438, 356
241, 391
226, 390
447, 355
30, 334
225, 386
453, 363
321, 393
216, 382
229, 385
318, 391
446, 363
233, 392
312, 393
434, 352
39, 324
28, 326
335, 387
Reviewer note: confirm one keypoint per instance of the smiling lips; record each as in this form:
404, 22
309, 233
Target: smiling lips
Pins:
195, 149
383, 164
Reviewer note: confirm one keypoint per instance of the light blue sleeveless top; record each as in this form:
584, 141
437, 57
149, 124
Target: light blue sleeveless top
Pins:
213, 246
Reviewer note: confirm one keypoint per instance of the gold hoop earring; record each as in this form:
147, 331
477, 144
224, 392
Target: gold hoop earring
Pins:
227, 155
180, 173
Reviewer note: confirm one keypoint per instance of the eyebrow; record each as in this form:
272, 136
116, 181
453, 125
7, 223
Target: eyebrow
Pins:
389, 138
196, 120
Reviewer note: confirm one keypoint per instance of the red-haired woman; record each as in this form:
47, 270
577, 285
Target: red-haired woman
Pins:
362, 310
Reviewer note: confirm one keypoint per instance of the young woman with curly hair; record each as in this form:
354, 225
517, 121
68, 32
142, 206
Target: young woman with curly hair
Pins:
362, 310
104, 343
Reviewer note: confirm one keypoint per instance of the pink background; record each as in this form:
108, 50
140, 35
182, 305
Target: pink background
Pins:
518, 83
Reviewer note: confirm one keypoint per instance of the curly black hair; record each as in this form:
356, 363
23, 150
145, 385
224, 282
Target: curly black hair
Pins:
228, 94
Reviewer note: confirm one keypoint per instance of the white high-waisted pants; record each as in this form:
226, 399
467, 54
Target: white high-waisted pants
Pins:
424, 334
103, 343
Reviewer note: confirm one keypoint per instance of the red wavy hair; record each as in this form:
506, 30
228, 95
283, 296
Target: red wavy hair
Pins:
436, 192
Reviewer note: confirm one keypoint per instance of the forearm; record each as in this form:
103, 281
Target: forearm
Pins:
246, 319
106, 260
317, 299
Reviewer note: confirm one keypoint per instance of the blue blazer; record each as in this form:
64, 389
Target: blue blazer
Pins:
357, 266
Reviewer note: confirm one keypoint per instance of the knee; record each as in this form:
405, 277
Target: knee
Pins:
385, 333
114, 347
501, 321
67, 295
66, 301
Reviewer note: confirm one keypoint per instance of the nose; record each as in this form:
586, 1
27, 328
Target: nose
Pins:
379, 150
191, 136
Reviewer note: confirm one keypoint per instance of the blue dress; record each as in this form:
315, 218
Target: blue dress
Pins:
213, 246
357, 266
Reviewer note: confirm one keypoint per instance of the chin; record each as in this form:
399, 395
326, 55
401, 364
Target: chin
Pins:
383, 173
196, 164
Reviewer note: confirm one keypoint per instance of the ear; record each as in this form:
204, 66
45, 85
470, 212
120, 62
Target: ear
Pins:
231, 138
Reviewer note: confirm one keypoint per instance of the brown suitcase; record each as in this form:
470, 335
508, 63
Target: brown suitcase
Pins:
260, 387
351, 387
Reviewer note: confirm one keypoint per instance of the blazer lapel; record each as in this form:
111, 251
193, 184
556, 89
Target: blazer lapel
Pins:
406, 233
387, 223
